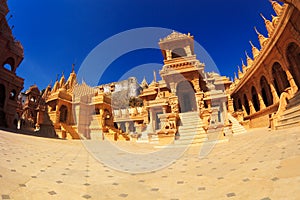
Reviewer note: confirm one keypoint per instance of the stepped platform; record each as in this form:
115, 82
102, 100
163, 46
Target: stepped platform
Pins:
291, 116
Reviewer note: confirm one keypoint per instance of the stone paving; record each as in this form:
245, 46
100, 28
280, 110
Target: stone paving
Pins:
260, 165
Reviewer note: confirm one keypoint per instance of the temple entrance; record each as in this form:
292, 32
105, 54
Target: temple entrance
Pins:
186, 97
63, 113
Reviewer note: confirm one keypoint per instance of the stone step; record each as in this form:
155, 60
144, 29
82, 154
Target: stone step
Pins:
191, 141
290, 119
291, 112
288, 125
294, 101
192, 128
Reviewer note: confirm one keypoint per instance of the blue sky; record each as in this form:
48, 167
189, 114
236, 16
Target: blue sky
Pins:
57, 33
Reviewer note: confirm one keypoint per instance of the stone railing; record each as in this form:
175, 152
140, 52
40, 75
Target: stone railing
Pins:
169, 123
127, 113
283, 101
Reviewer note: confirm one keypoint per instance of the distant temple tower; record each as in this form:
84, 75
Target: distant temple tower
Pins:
182, 71
11, 55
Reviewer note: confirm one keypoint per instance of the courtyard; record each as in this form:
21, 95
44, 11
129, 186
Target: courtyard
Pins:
260, 164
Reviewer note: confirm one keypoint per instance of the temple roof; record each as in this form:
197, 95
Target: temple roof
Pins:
176, 36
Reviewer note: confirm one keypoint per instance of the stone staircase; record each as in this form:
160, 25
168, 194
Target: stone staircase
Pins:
70, 130
291, 116
237, 128
191, 130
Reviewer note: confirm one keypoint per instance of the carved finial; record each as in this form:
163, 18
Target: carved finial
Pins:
277, 7
244, 67
255, 51
235, 78
249, 60
269, 25
240, 74
154, 76
73, 67
57, 77
262, 39
275, 20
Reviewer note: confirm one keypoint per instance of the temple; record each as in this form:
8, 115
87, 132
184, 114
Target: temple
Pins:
11, 55
187, 106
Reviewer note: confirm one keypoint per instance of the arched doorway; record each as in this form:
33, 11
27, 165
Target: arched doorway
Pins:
266, 91
293, 56
2, 95
255, 100
280, 78
63, 114
179, 52
186, 97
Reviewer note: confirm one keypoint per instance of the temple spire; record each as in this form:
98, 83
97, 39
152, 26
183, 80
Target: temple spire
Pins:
262, 39
244, 67
277, 7
240, 74
255, 51
73, 68
235, 78
269, 25
275, 20
249, 60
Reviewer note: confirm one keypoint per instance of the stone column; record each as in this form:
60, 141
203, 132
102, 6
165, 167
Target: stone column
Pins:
127, 127
196, 85
168, 54
274, 93
291, 81
262, 104
252, 109
230, 105
244, 110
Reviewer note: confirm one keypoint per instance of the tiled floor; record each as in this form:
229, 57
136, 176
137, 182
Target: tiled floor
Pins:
259, 165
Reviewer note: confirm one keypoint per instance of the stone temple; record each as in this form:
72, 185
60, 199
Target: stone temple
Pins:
188, 104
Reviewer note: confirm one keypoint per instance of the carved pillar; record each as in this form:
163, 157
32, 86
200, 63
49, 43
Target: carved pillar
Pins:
187, 50
244, 110
262, 104
274, 93
230, 105
168, 54
291, 81
127, 127
196, 85
252, 109
174, 104
199, 100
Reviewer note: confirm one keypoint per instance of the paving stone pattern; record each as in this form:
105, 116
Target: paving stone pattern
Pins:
260, 164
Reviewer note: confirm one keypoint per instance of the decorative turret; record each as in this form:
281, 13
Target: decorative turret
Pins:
71, 82
277, 7
62, 80
262, 39
46, 92
240, 74
244, 67
235, 78
269, 25
249, 60
144, 83
55, 87
255, 51
275, 20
